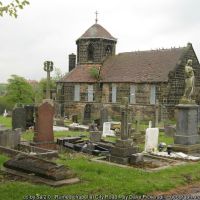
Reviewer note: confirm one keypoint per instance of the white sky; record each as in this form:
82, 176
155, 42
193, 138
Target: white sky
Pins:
47, 30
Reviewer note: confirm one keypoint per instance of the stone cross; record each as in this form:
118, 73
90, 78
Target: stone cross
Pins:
48, 67
96, 20
124, 119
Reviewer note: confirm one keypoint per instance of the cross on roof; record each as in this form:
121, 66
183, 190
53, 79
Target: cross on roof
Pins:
96, 20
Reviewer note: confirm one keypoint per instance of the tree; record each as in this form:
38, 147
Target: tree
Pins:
19, 90
12, 7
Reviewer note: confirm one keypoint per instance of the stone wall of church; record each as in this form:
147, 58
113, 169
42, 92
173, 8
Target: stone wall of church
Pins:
176, 83
102, 94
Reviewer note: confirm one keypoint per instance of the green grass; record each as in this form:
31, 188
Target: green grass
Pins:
163, 138
28, 135
6, 121
100, 179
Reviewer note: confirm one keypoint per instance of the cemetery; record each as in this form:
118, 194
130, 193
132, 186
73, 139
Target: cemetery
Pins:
39, 153
116, 126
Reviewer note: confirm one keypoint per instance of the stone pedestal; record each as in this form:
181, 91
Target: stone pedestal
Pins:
186, 135
95, 136
122, 151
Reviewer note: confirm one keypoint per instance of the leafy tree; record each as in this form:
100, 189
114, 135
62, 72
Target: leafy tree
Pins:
19, 90
5, 104
12, 7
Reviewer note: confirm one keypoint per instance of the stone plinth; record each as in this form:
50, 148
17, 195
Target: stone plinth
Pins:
187, 125
43, 136
122, 151
9, 138
186, 138
95, 136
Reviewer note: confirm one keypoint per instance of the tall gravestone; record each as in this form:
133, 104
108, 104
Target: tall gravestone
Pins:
19, 118
43, 129
87, 114
29, 110
103, 116
124, 146
186, 138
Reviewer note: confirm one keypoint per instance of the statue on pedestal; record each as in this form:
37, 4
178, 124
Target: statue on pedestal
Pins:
189, 83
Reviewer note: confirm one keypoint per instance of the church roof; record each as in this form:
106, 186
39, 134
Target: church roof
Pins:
135, 67
141, 66
97, 31
80, 74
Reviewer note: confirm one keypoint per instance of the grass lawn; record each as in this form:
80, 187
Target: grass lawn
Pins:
6, 121
100, 179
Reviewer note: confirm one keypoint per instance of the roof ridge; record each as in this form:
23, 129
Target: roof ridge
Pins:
154, 50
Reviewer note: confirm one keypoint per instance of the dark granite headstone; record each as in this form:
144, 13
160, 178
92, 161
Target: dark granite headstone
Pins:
19, 118
87, 114
29, 110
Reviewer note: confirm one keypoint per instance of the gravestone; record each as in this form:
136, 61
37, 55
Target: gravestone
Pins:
137, 121
124, 146
19, 118
107, 129
103, 116
95, 136
5, 114
43, 129
9, 138
39, 169
75, 118
29, 110
170, 130
151, 139
87, 114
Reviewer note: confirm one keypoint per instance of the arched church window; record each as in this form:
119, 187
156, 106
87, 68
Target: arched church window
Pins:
108, 50
90, 52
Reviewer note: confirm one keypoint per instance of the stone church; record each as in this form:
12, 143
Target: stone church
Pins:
98, 77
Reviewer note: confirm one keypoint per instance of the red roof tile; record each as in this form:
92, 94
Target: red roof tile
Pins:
142, 66
80, 74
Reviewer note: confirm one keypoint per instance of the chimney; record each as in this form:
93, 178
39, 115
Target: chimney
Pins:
72, 61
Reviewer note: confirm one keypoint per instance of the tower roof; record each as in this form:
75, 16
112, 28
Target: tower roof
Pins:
97, 31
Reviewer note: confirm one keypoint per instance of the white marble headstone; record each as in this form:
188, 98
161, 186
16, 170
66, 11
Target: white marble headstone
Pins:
106, 129
151, 139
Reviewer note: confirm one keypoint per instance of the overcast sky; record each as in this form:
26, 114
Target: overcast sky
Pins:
47, 30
